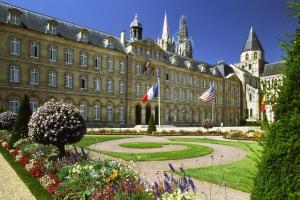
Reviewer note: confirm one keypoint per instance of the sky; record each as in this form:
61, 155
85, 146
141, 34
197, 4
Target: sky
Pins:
218, 28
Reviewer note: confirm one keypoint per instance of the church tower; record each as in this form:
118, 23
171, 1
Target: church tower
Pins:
184, 47
136, 29
252, 56
166, 42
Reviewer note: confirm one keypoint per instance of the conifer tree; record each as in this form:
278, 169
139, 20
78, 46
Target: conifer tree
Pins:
278, 176
151, 126
1, 109
20, 129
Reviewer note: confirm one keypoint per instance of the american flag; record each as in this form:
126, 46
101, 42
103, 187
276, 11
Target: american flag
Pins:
208, 95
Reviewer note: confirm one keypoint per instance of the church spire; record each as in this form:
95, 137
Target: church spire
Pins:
184, 47
252, 43
165, 34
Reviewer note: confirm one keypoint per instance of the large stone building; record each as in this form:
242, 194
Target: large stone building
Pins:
104, 76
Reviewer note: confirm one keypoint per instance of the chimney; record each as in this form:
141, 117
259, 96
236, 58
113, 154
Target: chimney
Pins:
122, 38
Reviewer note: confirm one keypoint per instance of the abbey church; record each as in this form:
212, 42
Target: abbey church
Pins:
104, 75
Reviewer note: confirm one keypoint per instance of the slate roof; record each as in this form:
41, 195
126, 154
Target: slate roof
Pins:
273, 68
38, 22
252, 42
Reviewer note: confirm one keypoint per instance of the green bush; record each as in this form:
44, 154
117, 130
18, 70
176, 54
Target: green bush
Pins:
151, 126
21, 126
1, 109
278, 176
133, 196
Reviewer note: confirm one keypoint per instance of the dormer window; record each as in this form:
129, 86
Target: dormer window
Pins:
201, 68
83, 35
138, 51
157, 56
214, 71
148, 53
173, 60
52, 27
14, 16
109, 43
187, 64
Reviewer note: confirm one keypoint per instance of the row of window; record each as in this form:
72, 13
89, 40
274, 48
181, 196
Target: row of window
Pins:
15, 49
14, 107
15, 75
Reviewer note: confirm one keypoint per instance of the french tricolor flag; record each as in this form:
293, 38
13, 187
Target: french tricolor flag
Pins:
152, 92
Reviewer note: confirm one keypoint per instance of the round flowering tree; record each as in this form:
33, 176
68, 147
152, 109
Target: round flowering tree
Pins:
207, 124
7, 120
57, 123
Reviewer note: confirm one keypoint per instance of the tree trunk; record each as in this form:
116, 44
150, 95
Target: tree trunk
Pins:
62, 150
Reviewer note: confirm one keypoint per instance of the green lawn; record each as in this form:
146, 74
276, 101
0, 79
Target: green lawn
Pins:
32, 183
191, 150
88, 140
238, 175
141, 145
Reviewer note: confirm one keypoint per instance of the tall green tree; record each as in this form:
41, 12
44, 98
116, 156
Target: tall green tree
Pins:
278, 176
151, 125
20, 129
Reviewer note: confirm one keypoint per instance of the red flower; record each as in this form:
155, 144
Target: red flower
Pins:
23, 160
15, 152
5, 145
53, 187
37, 171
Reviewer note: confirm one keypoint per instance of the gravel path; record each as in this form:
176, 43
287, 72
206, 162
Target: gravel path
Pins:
11, 186
222, 154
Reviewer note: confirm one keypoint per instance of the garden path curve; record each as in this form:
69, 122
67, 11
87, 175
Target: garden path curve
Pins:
222, 154
11, 186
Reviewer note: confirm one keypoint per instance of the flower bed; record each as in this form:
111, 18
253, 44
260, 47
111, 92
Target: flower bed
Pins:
77, 176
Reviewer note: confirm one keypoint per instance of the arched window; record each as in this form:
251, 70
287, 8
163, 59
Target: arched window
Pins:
247, 56
166, 115
33, 104
255, 55
97, 112
83, 110
13, 105
121, 113
175, 115
34, 76
250, 97
250, 66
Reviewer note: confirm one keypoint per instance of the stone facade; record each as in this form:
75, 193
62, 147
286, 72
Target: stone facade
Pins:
103, 74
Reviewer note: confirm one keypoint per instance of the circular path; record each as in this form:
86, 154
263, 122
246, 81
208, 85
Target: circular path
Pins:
222, 154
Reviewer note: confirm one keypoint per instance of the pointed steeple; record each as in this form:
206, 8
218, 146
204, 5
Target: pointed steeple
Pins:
165, 33
184, 47
252, 43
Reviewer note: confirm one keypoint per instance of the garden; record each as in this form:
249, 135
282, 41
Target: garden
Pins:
40, 148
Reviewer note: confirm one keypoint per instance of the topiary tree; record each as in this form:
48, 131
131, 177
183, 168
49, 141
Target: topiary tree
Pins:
57, 123
1, 109
151, 125
278, 174
7, 120
20, 129
207, 124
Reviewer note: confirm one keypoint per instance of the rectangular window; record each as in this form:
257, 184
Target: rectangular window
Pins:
52, 53
121, 114
52, 78
13, 106
138, 89
109, 86
191, 81
15, 74
138, 69
35, 49
97, 84
33, 104
122, 87
110, 65
15, 46
83, 82
14, 19
83, 59
83, 111
68, 80
98, 61
34, 76
97, 111
52, 28
109, 113
167, 76
69, 56
122, 67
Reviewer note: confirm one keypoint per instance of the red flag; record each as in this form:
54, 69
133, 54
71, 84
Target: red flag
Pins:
146, 66
263, 104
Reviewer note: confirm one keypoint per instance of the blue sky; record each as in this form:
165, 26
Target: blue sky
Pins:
218, 28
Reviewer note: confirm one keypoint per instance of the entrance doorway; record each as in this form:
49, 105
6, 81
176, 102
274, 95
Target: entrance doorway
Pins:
138, 114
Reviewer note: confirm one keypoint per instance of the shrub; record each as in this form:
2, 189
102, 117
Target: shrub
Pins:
21, 125
23, 117
1, 109
207, 124
151, 126
7, 120
278, 174
57, 123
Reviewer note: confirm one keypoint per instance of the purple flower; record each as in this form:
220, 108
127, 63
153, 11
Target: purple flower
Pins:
166, 175
172, 168
192, 184
180, 187
157, 194
167, 187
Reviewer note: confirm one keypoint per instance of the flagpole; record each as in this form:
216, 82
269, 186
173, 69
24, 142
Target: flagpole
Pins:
212, 105
158, 81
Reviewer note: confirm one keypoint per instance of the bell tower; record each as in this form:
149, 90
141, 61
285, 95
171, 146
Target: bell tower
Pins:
184, 47
136, 29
